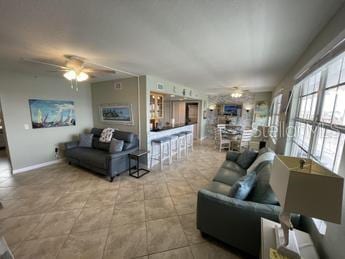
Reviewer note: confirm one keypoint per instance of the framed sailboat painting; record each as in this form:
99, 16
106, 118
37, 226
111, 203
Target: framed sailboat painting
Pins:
51, 113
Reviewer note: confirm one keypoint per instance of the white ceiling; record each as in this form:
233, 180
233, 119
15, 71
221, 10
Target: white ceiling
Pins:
210, 45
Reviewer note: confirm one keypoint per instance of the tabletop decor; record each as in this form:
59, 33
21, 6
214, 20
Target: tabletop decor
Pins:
304, 186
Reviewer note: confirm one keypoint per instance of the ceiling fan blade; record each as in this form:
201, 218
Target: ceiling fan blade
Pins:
95, 70
43, 63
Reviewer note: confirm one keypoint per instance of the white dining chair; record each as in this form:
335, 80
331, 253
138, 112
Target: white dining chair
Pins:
221, 141
243, 142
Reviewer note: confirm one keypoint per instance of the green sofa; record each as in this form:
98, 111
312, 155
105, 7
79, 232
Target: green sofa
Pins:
233, 221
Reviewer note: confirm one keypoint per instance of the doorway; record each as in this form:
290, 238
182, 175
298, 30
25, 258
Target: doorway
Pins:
192, 117
5, 162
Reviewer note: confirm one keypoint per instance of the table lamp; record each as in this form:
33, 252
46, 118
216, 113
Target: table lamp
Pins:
303, 186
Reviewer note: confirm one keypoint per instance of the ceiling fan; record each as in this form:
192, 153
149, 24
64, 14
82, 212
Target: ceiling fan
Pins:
235, 91
75, 69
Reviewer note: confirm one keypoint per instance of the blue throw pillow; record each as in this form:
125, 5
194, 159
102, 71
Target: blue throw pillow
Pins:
116, 146
242, 187
85, 140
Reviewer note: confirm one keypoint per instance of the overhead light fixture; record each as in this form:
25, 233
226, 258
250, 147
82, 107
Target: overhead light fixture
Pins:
72, 75
236, 95
82, 76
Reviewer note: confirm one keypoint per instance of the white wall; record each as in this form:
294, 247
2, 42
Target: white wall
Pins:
36, 146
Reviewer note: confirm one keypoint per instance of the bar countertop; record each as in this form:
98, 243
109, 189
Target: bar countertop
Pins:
170, 127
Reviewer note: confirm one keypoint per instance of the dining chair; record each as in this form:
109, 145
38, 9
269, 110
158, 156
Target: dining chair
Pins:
243, 142
221, 141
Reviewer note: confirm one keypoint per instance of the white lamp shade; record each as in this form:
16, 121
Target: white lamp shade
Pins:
313, 191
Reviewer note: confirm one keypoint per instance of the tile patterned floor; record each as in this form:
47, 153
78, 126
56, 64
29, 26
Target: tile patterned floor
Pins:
63, 211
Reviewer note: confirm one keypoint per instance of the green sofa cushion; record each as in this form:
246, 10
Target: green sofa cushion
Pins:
233, 166
242, 187
217, 187
246, 158
262, 191
228, 176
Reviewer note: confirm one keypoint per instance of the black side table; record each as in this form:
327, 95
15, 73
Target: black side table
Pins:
136, 155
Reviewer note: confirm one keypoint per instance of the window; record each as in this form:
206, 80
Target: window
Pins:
274, 117
319, 121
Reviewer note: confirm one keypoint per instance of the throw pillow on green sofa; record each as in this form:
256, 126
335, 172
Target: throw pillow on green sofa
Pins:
242, 187
246, 158
262, 191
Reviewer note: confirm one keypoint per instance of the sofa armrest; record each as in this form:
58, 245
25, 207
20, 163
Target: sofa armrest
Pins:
247, 207
71, 144
232, 155
235, 222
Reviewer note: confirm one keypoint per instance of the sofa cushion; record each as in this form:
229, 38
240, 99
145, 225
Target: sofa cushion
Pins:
262, 191
242, 186
116, 146
96, 132
99, 145
218, 188
246, 158
85, 140
90, 156
233, 166
267, 156
123, 135
228, 176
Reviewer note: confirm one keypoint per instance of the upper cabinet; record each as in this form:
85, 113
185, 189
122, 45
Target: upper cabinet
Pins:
156, 105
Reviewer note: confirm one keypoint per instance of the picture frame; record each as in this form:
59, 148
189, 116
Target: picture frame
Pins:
116, 113
52, 113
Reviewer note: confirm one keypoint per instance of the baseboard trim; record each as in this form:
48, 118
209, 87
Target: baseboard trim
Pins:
32, 167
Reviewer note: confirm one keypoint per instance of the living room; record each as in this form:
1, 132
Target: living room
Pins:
172, 129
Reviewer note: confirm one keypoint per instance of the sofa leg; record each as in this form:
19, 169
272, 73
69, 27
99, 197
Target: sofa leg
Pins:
111, 179
69, 162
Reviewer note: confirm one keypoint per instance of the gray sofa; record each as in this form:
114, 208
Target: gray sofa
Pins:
233, 221
98, 158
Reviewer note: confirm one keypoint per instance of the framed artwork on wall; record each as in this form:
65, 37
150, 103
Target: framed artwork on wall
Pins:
119, 114
51, 113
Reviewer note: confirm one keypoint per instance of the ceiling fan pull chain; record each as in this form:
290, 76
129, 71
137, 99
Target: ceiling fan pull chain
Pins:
76, 85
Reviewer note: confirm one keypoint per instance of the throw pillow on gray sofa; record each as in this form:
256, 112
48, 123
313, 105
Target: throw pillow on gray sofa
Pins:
116, 145
262, 191
85, 140
246, 158
242, 187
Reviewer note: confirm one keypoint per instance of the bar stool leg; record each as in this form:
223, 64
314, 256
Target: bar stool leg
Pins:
152, 150
161, 155
170, 153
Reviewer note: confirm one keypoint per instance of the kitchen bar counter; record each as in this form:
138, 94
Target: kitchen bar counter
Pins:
166, 132
170, 127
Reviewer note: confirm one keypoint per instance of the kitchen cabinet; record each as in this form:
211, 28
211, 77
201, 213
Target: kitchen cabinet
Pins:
156, 106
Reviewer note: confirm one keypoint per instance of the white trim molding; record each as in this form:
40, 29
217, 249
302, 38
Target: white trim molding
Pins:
32, 167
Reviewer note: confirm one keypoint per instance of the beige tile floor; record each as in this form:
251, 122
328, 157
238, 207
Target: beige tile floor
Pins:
63, 211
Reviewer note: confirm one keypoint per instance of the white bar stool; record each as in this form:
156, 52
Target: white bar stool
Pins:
189, 141
164, 150
174, 146
182, 144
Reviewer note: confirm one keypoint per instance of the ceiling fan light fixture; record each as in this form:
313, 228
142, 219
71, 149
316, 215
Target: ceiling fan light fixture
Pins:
236, 95
70, 75
82, 76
